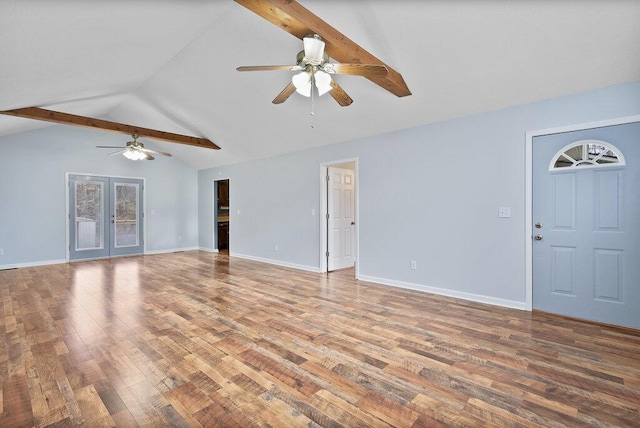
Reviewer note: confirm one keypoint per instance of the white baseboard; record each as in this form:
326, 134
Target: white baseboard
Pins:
478, 298
170, 250
32, 264
314, 269
208, 250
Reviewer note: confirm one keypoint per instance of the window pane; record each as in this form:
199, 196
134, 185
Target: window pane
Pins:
587, 154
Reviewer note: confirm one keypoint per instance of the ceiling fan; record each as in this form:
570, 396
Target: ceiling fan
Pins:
315, 72
135, 150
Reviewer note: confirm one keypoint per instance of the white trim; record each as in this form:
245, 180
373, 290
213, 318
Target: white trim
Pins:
208, 250
313, 269
170, 250
62, 261
323, 211
32, 264
528, 182
478, 298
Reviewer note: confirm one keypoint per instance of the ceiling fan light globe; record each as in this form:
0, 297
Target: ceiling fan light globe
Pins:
323, 82
313, 49
302, 82
134, 154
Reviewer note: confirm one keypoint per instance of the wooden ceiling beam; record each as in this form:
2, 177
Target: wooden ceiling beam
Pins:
295, 19
89, 122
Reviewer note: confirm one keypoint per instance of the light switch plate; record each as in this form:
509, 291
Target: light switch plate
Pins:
504, 212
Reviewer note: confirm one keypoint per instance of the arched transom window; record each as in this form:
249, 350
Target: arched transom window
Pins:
587, 154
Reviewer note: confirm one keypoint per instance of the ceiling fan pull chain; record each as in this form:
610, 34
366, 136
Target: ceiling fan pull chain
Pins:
313, 98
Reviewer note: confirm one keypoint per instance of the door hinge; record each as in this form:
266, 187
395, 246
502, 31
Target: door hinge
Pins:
327, 216
327, 254
327, 177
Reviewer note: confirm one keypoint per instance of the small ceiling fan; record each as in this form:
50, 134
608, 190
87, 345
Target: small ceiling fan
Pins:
135, 150
315, 72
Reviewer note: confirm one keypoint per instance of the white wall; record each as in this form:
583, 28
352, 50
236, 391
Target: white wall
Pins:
429, 194
32, 192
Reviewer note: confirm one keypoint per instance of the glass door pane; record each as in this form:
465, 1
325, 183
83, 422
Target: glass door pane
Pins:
88, 210
89, 215
126, 215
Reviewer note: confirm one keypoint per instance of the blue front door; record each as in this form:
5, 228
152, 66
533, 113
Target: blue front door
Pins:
586, 224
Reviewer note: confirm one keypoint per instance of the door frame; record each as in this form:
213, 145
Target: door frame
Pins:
324, 189
68, 212
529, 136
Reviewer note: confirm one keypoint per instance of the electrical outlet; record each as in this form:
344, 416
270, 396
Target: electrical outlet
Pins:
1, 251
413, 265
275, 247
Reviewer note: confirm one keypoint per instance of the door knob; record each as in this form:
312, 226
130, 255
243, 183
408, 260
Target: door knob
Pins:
538, 225
538, 237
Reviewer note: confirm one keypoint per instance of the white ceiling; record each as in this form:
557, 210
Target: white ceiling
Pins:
170, 65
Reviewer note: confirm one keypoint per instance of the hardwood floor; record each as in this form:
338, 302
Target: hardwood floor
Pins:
199, 339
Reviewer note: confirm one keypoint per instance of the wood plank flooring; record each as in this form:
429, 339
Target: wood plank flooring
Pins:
198, 339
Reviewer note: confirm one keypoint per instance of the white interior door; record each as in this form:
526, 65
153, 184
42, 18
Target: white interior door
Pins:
586, 227
105, 217
341, 219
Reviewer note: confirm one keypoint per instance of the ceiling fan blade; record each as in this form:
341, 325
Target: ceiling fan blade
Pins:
149, 157
286, 93
155, 152
269, 67
340, 95
110, 147
366, 70
118, 152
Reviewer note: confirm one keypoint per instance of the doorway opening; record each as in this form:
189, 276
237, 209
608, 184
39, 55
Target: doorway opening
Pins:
222, 215
338, 222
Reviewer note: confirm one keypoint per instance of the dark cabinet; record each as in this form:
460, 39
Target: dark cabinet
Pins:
223, 197
223, 235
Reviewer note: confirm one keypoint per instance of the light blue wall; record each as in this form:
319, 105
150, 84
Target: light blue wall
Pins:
32, 192
429, 194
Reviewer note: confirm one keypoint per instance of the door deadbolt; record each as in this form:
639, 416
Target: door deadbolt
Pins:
538, 237
538, 225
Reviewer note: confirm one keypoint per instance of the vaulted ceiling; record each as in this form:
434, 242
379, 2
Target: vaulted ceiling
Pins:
171, 65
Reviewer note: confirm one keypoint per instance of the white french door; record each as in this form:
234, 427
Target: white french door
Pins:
105, 217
